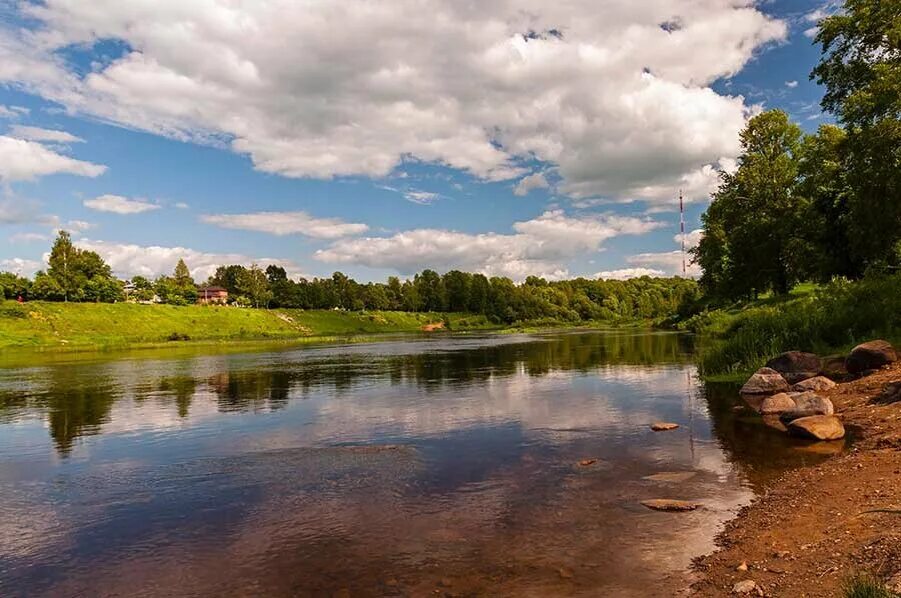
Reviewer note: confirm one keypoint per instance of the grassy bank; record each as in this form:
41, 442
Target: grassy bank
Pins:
828, 319
73, 326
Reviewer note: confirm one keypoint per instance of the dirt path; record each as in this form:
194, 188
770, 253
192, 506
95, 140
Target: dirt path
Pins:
817, 526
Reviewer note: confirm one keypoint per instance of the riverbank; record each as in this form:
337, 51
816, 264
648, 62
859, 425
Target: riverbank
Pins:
49, 327
815, 528
830, 319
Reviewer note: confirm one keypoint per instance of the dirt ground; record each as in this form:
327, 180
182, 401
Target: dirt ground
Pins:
811, 530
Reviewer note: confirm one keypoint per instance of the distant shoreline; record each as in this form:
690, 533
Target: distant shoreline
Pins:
46, 328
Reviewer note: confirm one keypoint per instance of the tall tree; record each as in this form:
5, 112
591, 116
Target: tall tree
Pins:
182, 274
861, 71
255, 286
64, 265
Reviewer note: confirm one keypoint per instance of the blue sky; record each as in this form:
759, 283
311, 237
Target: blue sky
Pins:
155, 131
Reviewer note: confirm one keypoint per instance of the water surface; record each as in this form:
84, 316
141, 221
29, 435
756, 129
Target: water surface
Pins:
448, 465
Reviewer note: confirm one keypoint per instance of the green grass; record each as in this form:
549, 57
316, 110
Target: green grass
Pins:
826, 320
866, 586
63, 326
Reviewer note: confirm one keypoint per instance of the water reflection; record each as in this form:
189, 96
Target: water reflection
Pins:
396, 468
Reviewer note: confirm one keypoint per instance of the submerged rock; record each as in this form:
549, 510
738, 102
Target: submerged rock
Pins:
815, 383
666, 504
663, 426
818, 427
870, 356
671, 476
765, 381
777, 404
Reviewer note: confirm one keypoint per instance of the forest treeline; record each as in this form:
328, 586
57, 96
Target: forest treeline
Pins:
825, 205
79, 275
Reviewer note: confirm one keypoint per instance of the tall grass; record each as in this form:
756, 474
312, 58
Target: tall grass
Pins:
866, 586
830, 319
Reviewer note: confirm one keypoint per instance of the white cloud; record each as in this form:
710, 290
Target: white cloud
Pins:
692, 238
20, 266
128, 260
119, 205
28, 237
12, 112
78, 226
181, 205
528, 183
619, 104
791, 84
668, 261
287, 223
23, 160
421, 197
540, 246
626, 273
39, 134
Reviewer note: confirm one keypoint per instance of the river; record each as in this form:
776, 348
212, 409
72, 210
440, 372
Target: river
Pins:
470, 465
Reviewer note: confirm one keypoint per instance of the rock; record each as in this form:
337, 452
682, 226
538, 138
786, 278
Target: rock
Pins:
765, 381
818, 427
742, 567
834, 367
796, 362
663, 426
891, 393
671, 476
565, 573
747, 587
774, 422
795, 377
587, 462
815, 383
807, 404
777, 404
870, 356
665, 504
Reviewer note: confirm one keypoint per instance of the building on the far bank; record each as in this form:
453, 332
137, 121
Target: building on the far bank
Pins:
212, 295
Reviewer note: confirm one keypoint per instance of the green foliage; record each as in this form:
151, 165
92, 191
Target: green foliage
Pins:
833, 318
861, 71
866, 586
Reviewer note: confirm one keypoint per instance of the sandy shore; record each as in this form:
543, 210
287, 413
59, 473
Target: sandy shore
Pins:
811, 530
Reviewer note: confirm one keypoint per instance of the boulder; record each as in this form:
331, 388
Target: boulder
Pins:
891, 393
777, 404
663, 426
812, 402
796, 363
815, 383
666, 504
795, 377
818, 427
870, 356
765, 381
834, 367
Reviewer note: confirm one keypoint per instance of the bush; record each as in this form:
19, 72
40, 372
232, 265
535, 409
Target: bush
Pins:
837, 316
178, 336
866, 586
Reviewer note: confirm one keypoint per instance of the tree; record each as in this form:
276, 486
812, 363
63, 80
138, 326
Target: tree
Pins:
254, 285
182, 274
861, 71
751, 230
63, 265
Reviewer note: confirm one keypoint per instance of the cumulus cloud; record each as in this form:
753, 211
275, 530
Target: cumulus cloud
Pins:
421, 197
39, 134
287, 223
669, 262
618, 103
20, 266
540, 246
119, 205
23, 160
128, 259
791, 84
692, 238
626, 273
528, 183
